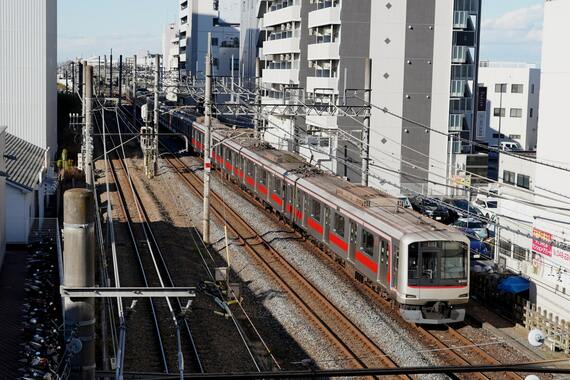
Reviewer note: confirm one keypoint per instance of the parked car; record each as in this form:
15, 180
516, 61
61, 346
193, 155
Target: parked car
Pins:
478, 248
487, 206
472, 227
461, 208
431, 209
404, 201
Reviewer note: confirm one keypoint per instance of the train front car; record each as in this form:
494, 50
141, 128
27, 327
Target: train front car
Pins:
433, 277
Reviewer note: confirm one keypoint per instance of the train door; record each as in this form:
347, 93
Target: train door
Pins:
300, 208
353, 242
394, 278
384, 263
429, 265
337, 235
289, 201
326, 223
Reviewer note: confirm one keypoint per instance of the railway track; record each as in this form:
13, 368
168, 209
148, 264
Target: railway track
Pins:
178, 353
462, 351
359, 350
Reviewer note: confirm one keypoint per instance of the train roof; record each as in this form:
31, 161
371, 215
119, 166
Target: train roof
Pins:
364, 200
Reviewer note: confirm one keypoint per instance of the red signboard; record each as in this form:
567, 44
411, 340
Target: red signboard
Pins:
539, 242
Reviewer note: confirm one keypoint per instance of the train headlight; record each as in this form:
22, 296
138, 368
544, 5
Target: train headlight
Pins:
464, 295
410, 296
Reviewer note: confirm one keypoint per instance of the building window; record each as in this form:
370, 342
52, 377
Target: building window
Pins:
214, 41
517, 88
532, 88
500, 112
531, 112
338, 225
523, 181
501, 87
367, 243
514, 137
516, 112
519, 253
509, 177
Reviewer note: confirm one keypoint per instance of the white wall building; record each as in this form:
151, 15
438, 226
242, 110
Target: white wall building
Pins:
545, 258
170, 56
2, 194
28, 70
249, 41
512, 99
197, 19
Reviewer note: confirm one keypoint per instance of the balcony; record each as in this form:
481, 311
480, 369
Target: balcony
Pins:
282, 46
327, 85
281, 76
281, 16
325, 16
323, 51
183, 42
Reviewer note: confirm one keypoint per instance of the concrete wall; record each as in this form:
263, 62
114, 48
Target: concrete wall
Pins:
28, 70
20, 210
2, 195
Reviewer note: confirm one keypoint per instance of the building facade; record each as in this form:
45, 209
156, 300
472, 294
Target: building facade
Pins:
512, 91
197, 18
421, 60
423, 56
312, 52
2, 194
28, 70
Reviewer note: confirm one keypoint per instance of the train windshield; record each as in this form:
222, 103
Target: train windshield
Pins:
437, 263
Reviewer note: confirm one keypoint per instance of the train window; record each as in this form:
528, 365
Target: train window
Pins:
384, 251
316, 210
367, 242
338, 225
277, 185
413, 261
453, 261
250, 168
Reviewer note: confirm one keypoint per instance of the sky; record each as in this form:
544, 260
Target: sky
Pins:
511, 29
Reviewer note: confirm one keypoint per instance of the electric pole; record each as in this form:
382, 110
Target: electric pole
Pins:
120, 76
104, 75
366, 132
207, 143
156, 119
257, 120
111, 76
135, 92
88, 126
73, 76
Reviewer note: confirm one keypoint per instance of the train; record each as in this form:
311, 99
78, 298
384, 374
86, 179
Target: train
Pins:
420, 264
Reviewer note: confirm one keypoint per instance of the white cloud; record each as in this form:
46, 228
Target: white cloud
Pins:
521, 26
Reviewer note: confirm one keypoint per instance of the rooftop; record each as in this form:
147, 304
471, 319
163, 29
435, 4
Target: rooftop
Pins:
24, 161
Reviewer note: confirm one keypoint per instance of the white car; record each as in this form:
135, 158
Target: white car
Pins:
487, 206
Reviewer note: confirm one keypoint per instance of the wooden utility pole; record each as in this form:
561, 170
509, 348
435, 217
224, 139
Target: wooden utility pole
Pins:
207, 144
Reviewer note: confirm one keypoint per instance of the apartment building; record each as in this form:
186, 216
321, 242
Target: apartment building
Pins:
170, 56
28, 70
512, 94
2, 194
197, 18
423, 55
313, 51
250, 42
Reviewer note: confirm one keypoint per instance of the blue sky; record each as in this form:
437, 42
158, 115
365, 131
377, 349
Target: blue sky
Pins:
511, 28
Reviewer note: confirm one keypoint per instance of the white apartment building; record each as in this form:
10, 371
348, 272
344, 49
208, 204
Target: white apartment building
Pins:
249, 42
321, 47
2, 194
423, 57
170, 56
197, 19
28, 70
545, 257
512, 103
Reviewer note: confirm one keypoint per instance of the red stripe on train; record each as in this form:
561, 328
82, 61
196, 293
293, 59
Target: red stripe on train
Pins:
338, 241
262, 189
366, 261
437, 287
314, 225
250, 181
229, 166
277, 200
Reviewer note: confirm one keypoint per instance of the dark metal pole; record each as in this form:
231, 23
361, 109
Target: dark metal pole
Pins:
111, 76
120, 76
80, 73
66, 81
476, 77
